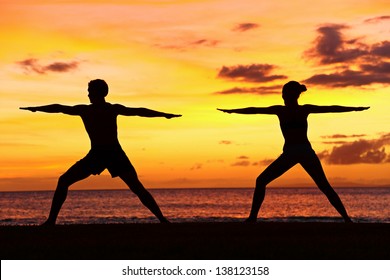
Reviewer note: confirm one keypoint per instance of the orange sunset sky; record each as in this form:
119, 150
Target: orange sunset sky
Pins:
189, 58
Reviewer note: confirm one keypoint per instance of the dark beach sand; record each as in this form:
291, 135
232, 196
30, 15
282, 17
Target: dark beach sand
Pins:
269, 240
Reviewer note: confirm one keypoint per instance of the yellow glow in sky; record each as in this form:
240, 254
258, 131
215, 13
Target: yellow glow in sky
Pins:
169, 56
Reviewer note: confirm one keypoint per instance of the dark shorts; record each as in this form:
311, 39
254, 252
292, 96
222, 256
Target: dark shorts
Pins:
112, 158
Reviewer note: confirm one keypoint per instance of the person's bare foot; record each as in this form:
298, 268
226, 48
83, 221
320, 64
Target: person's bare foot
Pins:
348, 220
250, 220
164, 221
48, 224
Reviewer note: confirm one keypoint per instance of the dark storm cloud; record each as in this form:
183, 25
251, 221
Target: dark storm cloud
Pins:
33, 65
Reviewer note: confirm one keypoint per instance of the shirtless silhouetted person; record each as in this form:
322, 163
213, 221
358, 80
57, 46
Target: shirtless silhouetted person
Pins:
297, 148
99, 119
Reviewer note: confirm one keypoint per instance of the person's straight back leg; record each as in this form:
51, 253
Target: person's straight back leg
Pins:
273, 171
313, 167
132, 181
73, 175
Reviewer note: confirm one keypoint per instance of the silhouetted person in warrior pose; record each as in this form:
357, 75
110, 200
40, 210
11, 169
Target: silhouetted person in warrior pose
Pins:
99, 119
297, 148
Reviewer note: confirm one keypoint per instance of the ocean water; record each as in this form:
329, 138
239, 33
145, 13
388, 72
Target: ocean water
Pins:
364, 205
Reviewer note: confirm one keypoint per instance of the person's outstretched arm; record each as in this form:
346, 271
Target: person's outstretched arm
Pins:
143, 112
272, 110
55, 108
333, 109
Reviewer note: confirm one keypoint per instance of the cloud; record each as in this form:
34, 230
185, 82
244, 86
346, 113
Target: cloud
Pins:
264, 90
337, 136
334, 142
377, 19
205, 42
264, 162
61, 66
183, 46
243, 157
252, 73
255, 73
330, 46
33, 65
354, 62
349, 78
242, 27
225, 142
197, 166
244, 161
381, 49
340, 136
360, 151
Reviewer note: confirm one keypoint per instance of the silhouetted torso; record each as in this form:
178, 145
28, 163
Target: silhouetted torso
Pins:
293, 123
100, 121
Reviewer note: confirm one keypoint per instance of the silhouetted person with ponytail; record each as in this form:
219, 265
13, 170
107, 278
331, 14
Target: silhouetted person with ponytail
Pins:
99, 120
297, 148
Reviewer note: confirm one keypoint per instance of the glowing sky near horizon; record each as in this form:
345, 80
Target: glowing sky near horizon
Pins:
191, 57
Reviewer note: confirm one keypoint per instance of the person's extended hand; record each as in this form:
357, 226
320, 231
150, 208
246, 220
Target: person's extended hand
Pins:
225, 110
32, 109
362, 108
170, 116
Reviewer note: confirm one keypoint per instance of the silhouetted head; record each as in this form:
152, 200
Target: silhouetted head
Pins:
291, 91
98, 89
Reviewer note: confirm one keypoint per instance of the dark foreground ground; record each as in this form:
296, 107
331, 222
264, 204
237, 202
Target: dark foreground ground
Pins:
271, 241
